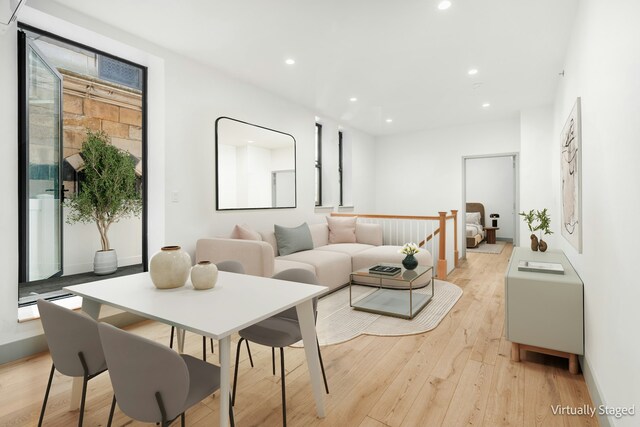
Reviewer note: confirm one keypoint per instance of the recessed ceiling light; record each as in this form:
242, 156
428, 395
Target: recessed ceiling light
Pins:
389, 120
486, 105
353, 99
472, 72
290, 61
444, 5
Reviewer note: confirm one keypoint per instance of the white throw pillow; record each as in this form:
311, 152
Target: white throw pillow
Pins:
243, 232
473, 218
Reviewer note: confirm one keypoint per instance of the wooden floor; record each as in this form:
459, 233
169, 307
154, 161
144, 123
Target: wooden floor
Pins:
458, 374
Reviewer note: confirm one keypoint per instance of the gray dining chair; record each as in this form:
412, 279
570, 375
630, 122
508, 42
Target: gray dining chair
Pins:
230, 267
279, 331
153, 383
74, 345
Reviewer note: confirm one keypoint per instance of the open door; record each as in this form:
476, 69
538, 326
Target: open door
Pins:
40, 158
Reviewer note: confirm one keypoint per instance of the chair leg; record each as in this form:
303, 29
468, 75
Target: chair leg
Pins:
284, 394
112, 410
273, 360
231, 419
182, 419
204, 348
324, 376
173, 330
85, 381
249, 351
235, 372
46, 395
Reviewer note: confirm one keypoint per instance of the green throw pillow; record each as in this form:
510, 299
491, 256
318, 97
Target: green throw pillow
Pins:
291, 240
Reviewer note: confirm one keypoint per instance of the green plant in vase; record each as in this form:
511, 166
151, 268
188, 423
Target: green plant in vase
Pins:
537, 221
107, 193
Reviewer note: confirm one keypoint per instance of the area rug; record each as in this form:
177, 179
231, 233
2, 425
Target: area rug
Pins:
338, 322
486, 248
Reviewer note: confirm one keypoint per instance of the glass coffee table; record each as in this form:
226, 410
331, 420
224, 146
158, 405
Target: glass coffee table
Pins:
391, 301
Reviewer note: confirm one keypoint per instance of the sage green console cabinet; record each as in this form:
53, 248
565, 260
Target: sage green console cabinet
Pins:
544, 311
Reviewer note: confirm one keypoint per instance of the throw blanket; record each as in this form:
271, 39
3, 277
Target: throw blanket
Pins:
473, 229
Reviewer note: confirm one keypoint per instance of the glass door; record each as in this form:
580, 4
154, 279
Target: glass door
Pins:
41, 191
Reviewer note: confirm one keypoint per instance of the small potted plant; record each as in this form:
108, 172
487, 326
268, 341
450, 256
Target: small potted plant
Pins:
107, 194
538, 221
410, 249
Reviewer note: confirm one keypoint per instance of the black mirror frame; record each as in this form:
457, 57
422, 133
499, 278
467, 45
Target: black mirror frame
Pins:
295, 162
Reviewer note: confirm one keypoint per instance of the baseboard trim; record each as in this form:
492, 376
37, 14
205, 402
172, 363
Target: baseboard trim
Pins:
594, 391
15, 350
505, 239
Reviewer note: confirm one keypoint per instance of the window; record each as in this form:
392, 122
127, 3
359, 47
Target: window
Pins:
67, 89
318, 164
340, 159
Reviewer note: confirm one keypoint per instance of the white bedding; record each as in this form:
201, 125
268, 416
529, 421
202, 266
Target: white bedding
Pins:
474, 229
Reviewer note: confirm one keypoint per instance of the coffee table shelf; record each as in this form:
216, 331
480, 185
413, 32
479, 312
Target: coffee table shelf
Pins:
402, 303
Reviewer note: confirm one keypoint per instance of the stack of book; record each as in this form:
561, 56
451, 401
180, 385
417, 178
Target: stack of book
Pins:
385, 270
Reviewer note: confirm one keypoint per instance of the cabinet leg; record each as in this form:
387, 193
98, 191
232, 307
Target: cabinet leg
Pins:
574, 367
515, 351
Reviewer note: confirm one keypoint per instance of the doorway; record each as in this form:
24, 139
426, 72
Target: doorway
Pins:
492, 181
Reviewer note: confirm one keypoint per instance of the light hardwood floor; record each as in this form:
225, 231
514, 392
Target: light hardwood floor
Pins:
458, 374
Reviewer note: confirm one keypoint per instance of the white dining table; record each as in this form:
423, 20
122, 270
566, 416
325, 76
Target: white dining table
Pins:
237, 301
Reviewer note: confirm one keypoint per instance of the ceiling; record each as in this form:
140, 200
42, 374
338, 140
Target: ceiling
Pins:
403, 59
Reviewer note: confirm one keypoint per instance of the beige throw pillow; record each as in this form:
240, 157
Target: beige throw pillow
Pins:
243, 232
342, 229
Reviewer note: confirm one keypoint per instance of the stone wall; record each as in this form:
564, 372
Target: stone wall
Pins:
93, 104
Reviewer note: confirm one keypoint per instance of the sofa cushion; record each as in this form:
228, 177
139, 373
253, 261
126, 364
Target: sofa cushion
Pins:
345, 248
294, 239
270, 238
342, 230
370, 234
319, 234
244, 232
332, 268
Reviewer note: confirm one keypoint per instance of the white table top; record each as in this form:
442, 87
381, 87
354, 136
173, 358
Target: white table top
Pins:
237, 300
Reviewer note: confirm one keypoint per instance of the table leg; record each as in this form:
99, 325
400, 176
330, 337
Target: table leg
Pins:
308, 329
515, 352
224, 350
180, 339
92, 308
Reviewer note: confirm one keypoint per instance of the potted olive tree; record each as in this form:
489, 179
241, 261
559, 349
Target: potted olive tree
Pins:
107, 194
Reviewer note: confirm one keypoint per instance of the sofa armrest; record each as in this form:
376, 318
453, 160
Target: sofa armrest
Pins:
255, 256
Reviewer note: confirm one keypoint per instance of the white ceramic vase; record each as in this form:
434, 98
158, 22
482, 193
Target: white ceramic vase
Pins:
105, 262
204, 275
170, 267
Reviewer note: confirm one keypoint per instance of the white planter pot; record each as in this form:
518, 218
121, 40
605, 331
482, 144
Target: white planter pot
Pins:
204, 275
105, 262
170, 267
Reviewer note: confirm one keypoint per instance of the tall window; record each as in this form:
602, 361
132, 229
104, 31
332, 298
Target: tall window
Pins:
318, 164
66, 90
340, 158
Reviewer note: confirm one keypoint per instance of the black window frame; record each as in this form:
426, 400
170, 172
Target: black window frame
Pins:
340, 167
318, 164
23, 145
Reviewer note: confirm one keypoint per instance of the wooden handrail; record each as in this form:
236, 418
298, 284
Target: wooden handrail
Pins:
424, 242
429, 218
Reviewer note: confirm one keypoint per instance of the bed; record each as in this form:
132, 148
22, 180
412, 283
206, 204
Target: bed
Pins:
474, 224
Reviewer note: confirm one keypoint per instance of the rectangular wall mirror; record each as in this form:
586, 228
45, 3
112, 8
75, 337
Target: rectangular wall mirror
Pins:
255, 166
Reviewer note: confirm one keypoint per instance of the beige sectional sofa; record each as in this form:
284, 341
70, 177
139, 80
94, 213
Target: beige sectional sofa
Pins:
331, 262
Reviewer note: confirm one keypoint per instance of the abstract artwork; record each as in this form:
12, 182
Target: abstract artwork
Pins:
571, 178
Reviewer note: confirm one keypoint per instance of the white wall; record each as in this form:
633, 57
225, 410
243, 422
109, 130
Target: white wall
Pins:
185, 99
538, 146
603, 67
491, 181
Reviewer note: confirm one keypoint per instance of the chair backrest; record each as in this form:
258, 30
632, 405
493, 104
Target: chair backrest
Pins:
301, 276
230, 267
69, 333
138, 369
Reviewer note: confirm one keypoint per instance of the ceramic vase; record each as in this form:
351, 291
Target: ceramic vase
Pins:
534, 243
204, 275
105, 262
542, 246
170, 267
410, 262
